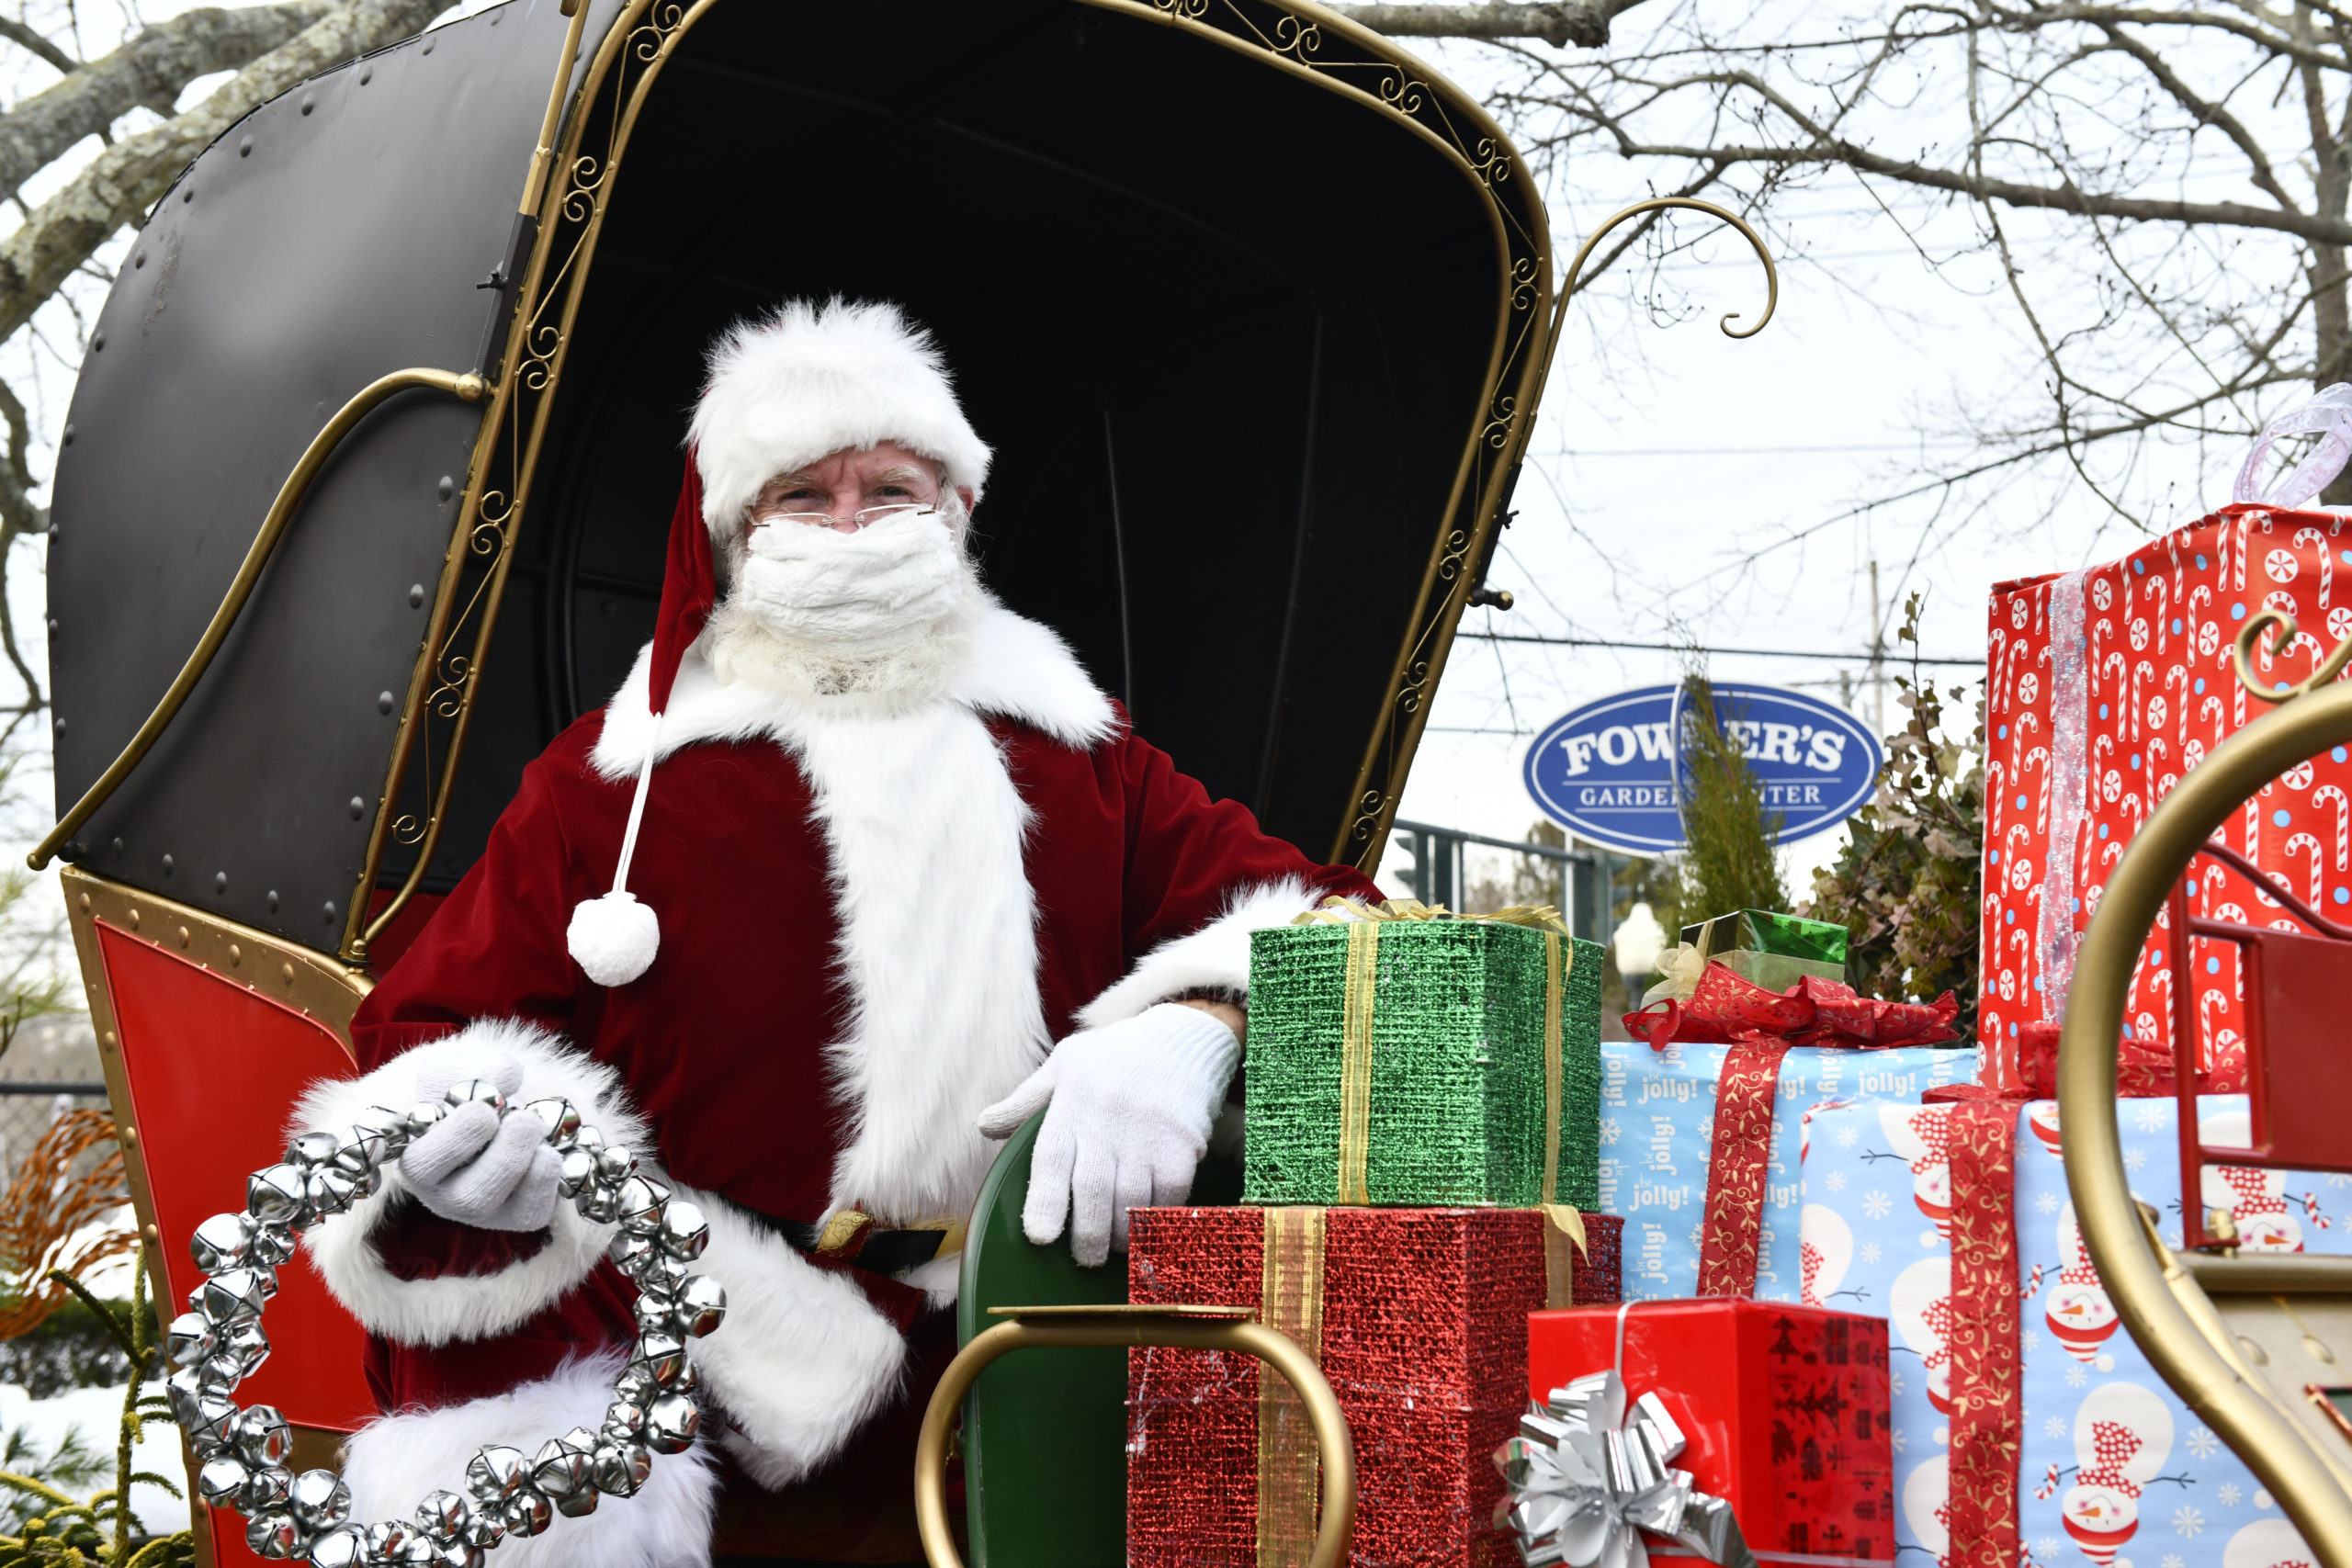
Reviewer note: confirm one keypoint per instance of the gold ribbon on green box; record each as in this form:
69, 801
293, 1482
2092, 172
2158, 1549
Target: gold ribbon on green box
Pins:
1364, 923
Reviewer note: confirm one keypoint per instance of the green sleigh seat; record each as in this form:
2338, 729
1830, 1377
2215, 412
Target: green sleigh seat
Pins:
1045, 1436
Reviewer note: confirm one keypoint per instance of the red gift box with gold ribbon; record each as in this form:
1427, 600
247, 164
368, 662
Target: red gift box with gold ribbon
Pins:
1418, 1320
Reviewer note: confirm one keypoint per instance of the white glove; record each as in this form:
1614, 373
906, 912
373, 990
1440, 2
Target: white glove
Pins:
475, 1168
1130, 1107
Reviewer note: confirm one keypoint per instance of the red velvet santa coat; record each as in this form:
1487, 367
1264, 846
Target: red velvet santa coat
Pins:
873, 923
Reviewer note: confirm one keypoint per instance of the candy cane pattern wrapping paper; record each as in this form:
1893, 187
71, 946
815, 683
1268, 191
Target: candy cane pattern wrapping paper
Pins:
2087, 730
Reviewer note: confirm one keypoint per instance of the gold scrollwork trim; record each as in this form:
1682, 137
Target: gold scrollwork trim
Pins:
570, 212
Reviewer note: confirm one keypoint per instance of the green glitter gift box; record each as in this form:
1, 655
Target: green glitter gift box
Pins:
1428, 1062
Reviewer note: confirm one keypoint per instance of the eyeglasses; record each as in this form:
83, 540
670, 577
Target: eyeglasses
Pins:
864, 517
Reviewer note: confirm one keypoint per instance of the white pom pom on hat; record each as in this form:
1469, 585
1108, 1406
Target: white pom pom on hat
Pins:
802, 382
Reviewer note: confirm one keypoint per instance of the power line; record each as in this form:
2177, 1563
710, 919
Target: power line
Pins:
1862, 658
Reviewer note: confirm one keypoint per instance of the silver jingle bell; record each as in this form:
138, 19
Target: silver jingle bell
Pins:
443, 1513
389, 1541
600, 1205
663, 1275
623, 1419
578, 1505
662, 1355
671, 1425
653, 1315
328, 1192
560, 1469
342, 1547
204, 1412
528, 1512
641, 1203
220, 1478
269, 1489
615, 1166
272, 1246
484, 1531
423, 1117
276, 1196
636, 1385
359, 1151
221, 1242
685, 1232
239, 1348
189, 1341
311, 1150
391, 1127
471, 1090
621, 1468
262, 1436
631, 1254
496, 1472
701, 1306
563, 1122
320, 1500
273, 1535
237, 1295
577, 1172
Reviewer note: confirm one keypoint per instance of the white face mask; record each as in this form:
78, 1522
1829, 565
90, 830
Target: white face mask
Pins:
852, 591
886, 609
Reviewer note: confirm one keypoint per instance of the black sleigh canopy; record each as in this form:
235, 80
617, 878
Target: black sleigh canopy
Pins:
1252, 305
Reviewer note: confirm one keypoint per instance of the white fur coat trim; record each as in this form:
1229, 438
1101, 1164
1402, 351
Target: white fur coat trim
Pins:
1019, 670
1216, 954
803, 1358
394, 1462
475, 1306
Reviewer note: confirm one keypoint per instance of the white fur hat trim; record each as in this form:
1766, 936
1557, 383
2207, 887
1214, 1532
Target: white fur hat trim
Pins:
808, 380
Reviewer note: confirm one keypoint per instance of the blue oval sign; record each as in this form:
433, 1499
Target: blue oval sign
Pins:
1606, 771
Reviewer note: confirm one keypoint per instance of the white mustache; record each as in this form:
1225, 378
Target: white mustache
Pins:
809, 582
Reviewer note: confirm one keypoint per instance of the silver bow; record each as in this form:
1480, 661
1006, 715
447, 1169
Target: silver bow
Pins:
1585, 1479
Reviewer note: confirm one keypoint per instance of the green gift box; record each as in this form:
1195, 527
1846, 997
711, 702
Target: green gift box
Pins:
1428, 1061
1780, 936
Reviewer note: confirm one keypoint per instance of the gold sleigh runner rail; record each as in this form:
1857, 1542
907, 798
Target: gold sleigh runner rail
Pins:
1178, 1327
467, 385
2185, 1310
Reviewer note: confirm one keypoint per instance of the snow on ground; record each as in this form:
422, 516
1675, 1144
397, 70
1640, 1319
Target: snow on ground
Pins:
98, 1412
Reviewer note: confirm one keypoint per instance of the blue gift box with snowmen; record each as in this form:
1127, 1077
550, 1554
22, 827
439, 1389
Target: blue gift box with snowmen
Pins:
2115, 1470
1657, 1127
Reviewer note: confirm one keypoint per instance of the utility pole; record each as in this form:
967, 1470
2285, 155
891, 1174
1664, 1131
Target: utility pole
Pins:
1878, 657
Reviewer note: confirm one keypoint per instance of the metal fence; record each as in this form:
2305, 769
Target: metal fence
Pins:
1584, 887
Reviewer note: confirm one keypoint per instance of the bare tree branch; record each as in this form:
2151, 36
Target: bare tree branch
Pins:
23, 36
124, 181
150, 71
1584, 23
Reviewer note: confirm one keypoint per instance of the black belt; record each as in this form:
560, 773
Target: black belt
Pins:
857, 1240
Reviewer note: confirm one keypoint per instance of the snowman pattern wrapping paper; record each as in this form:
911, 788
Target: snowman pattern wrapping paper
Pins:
2116, 1473
1658, 1128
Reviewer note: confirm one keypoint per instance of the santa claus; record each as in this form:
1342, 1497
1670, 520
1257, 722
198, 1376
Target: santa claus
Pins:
857, 871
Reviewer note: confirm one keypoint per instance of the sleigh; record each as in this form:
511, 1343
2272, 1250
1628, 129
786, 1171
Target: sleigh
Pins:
2252, 1336
364, 484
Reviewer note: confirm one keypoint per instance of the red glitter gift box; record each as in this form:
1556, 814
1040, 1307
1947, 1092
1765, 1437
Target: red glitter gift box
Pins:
1784, 1409
1419, 1319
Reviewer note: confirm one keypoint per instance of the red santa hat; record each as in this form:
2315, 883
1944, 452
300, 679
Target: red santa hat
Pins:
785, 390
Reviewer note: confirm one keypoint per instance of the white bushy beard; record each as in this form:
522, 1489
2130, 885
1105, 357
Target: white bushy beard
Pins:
885, 612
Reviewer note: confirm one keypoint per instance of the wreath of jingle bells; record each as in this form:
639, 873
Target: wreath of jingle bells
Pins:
219, 1342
